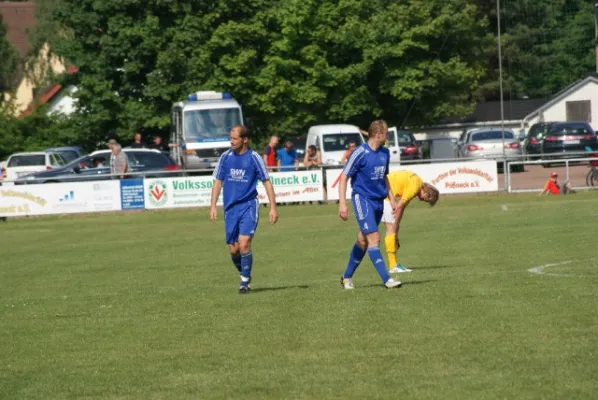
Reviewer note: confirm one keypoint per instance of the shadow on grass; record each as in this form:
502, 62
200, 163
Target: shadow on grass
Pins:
434, 267
270, 289
408, 283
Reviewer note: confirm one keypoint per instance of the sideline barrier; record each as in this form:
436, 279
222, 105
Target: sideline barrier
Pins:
195, 191
449, 178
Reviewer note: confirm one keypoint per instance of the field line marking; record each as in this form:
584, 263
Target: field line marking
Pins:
539, 270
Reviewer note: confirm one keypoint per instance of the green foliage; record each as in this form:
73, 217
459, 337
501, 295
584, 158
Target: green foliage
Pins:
290, 64
8, 65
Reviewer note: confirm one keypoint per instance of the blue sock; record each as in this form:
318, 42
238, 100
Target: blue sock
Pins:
379, 264
237, 261
357, 254
246, 263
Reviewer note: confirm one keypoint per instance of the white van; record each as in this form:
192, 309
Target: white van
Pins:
332, 141
21, 164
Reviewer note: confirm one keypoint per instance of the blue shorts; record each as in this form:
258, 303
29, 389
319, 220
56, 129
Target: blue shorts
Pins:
241, 219
368, 212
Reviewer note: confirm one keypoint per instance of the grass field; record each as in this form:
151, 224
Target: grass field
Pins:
145, 306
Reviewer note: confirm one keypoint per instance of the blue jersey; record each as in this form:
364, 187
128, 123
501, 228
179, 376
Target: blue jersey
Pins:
239, 175
368, 169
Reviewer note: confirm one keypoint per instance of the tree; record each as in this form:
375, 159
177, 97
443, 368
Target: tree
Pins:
290, 64
8, 66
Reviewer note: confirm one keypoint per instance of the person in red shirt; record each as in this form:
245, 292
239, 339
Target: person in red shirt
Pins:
270, 157
552, 186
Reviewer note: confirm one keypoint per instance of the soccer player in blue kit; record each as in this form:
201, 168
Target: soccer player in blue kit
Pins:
238, 170
368, 169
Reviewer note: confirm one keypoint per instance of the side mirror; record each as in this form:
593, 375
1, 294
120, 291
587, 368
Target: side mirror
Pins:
76, 169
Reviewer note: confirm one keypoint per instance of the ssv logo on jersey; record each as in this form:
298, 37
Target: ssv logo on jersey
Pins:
236, 173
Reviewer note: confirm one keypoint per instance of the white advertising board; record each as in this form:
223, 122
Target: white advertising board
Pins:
294, 186
196, 191
59, 198
449, 178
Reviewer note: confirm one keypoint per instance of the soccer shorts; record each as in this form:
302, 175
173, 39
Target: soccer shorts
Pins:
368, 213
241, 219
387, 216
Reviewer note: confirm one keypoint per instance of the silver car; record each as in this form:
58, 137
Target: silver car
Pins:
489, 145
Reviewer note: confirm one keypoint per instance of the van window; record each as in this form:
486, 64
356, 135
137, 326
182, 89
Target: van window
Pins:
340, 141
31, 160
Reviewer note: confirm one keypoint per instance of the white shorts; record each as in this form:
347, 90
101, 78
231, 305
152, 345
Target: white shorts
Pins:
387, 216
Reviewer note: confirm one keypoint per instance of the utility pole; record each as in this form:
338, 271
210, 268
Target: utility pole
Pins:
502, 107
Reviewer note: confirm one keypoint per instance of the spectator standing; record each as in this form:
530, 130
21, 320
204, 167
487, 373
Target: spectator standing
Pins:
158, 144
287, 157
138, 143
119, 164
270, 156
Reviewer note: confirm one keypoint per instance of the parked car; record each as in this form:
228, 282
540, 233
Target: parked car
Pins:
333, 141
569, 137
535, 136
21, 164
2, 170
96, 166
488, 145
69, 153
410, 149
463, 139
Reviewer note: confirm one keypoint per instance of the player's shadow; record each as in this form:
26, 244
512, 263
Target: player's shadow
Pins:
408, 283
274, 288
434, 267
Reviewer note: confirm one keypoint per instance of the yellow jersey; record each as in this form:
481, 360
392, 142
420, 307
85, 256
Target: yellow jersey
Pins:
405, 184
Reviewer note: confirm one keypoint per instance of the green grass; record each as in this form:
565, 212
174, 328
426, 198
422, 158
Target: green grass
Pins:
144, 305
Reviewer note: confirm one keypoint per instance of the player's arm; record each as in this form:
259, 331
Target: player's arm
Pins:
218, 176
545, 190
343, 211
262, 175
391, 196
214, 199
272, 199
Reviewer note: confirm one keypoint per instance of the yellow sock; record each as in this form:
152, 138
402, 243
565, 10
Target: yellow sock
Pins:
391, 250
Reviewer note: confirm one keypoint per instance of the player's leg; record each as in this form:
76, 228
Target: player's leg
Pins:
231, 229
247, 227
235, 255
359, 247
390, 242
373, 240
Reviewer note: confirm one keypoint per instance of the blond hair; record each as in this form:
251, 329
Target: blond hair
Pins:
432, 193
377, 126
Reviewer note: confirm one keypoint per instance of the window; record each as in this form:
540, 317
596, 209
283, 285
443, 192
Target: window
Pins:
27, 160
340, 141
491, 135
148, 159
579, 110
211, 124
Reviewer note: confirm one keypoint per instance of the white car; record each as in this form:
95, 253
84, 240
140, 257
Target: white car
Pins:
21, 164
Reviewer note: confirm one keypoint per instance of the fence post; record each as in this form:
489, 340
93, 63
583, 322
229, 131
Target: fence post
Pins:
567, 169
506, 170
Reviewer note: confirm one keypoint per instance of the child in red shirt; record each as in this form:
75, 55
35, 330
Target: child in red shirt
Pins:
553, 187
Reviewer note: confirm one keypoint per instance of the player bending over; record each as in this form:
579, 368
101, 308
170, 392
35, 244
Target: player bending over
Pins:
238, 170
407, 186
368, 169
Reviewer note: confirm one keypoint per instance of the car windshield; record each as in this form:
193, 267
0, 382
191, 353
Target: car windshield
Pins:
68, 155
538, 130
340, 141
148, 159
211, 125
570, 130
405, 138
31, 160
491, 135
